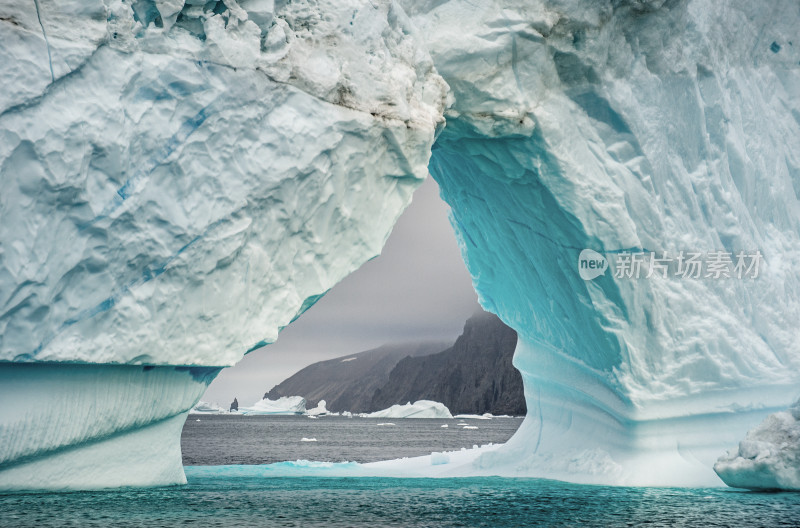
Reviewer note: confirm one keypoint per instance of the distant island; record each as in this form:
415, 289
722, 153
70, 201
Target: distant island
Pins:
474, 375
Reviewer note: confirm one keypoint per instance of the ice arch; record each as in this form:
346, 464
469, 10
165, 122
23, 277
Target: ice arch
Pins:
180, 181
638, 126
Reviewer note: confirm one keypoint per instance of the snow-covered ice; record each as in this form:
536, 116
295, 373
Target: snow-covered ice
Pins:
768, 457
418, 409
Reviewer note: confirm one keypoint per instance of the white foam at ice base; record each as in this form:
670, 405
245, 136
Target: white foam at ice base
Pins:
418, 409
286, 405
769, 455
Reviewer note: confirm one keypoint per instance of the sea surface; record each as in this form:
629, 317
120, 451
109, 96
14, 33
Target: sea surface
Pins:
213, 440
241, 496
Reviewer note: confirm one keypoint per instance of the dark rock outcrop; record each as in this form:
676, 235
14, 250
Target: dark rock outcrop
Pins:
348, 383
475, 375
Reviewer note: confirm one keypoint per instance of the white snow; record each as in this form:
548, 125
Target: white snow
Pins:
768, 457
418, 409
284, 405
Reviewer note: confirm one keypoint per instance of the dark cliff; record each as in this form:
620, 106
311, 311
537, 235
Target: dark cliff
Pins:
474, 376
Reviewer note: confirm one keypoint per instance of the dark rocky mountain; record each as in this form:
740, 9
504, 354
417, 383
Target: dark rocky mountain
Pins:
348, 383
474, 375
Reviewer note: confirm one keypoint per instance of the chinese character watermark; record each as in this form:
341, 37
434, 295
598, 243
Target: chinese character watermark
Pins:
714, 265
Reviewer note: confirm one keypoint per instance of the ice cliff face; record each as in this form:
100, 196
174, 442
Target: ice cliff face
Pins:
182, 179
189, 178
653, 126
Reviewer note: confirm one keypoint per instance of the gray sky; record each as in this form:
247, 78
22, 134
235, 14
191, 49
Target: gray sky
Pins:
418, 289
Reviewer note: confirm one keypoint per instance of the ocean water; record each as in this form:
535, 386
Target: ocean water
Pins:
222, 498
243, 496
235, 439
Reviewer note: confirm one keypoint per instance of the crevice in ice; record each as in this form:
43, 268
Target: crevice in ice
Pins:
47, 42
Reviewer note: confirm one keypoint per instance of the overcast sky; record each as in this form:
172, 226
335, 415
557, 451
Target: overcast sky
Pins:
418, 289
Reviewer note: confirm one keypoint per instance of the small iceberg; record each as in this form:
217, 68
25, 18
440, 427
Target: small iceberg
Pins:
769, 456
484, 416
207, 408
282, 406
469, 427
386, 423
320, 410
418, 409
444, 425
304, 439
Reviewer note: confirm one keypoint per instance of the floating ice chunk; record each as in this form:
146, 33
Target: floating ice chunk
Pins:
418, 409
386, 423
444, 425
469, 427
207, 408
485, 416
304, 439
769, 455
284, 405
319, 410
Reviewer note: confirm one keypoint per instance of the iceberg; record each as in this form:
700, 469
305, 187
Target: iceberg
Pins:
320, 410
202, 407
632, 127
418, 409
769, 456
284, 405
181, 181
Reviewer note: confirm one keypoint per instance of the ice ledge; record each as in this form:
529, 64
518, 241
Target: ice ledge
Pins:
78, 426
